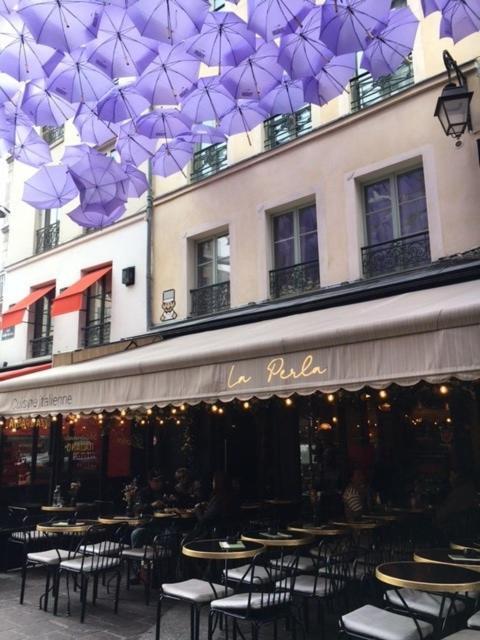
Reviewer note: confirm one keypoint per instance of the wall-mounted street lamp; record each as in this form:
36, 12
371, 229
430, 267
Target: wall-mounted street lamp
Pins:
453, 106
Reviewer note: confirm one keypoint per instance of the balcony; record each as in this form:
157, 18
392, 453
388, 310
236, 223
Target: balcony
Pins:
42, 346
396, 255
283, 128
211, 299
296, 279
97, 334
52, 135
47, 237
208, 161
366, 91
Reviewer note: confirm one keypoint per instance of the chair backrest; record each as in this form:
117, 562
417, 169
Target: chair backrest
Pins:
165, 546
107, 548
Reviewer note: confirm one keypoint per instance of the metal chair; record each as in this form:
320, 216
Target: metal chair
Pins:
373, 623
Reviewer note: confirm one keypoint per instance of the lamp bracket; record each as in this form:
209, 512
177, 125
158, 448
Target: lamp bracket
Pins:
452, 68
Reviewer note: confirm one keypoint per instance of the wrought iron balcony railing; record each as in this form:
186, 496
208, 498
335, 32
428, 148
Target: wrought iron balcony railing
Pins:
396, 255
42, 346
366, 91
211, 299
97, 334
283, 128
47, 237
208, 161
53, 134
295, 279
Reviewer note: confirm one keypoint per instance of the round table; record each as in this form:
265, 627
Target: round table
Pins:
79, 528
461, 545
358, 525
383, 517
55, 509
131, 521
428, 576
177, 513
319, 530
442, 556
290, 539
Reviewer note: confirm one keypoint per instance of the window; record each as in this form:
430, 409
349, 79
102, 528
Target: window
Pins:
212, 276
366, 91
283, 128
42, 340
295, 252
53, 134
396, 223
208, 160
98, 312
47, 234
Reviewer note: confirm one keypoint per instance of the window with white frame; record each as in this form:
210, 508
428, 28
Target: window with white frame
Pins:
42, 340
396, 223
47, 233
295, 252
98, 312
212, 275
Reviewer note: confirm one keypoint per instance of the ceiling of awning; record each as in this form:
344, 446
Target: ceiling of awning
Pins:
430, 335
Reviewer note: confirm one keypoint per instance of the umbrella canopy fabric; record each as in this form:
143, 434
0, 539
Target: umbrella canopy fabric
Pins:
460, 18
12, 120
170, 76
165, 123
271, 18
348, 24
98, 179
8, 88
134, 148
51, 187
44, 107
331, 81
91, 129
255, 76
209, 101
120, 104
77, 80
20, 56
172, 157
137, 181
119, 50
390, 47
96, 218
170, 21
246, 115
204, 135
65, 25
76, 152
224, 40
429, 6
286, 97
30, 148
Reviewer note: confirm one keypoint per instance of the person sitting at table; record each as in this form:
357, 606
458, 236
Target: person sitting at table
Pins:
183, 491
153, 496
354, 496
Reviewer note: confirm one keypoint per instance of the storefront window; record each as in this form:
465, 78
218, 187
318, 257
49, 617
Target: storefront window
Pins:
82, 448
119, 450
17, 453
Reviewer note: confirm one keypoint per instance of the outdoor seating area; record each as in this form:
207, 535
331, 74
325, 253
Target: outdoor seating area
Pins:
364, 579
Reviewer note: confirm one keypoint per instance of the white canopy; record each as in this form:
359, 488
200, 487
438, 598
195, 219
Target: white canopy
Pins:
430, 335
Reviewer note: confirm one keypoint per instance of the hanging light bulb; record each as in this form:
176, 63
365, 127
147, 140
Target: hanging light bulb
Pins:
214, 408
149, 412
331, 397
220, 410
182, 407
123, 413
288, 402
443, 389
246, 405
174, 410
383, 394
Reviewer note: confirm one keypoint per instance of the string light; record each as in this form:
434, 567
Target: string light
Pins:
178, 422
383, 394
123, 413
174, 411
331, 397
182, 407
149, 412
214, 408
335, 419
220, 410
54, 418
142, 421
443, 389
288, 402
246, 405
162, 421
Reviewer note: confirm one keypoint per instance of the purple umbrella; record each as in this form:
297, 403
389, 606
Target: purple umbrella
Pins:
120, 104
100, 181
13, 120
62, 24
96, 217
348, 24
50, 187
460, 18
209, 101
8, 88
132, 147
20, 56
77, 80
429, 6
255, 76
287, 97
245, 117
223, 40
30, 148
169, 20
204, 135
391, 46
331, 81
6, 6
119, 50
44, 107
137, 181
172, 157
91, 128
163, 123
170, 76
303, 54
76, 152
271, 18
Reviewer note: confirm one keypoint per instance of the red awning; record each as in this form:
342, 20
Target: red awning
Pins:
16, 373
71, 299
14, 315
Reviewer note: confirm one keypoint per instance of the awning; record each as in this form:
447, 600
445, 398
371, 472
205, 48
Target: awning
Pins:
430, 335
14, 315
71, 298
17, 373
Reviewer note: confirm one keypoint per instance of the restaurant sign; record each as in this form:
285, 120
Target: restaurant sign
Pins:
276, 369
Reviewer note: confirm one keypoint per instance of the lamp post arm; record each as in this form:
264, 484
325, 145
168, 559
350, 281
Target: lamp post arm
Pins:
453, 68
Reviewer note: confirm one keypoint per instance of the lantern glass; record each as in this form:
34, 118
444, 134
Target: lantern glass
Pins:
453, 110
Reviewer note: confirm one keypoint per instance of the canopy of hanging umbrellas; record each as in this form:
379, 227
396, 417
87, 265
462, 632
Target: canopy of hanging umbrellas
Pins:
129, 72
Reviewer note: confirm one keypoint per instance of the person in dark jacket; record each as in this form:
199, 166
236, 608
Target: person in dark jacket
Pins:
221, 513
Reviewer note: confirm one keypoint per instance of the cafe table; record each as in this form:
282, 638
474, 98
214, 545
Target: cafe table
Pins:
319, 530
51, 508
465, 543
80, 527
129, 520
358, 525
448, 557
278, 538
174, 514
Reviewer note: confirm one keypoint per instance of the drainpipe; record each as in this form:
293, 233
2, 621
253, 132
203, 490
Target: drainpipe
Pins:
149, 247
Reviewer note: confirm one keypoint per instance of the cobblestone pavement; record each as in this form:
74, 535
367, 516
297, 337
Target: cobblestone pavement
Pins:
135, 621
